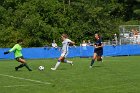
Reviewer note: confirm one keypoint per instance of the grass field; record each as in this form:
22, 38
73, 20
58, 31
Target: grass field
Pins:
114, 75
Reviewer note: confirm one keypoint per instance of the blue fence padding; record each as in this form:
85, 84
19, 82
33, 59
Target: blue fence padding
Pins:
37, 53
74, 52
86, 51
122, 50
8, 56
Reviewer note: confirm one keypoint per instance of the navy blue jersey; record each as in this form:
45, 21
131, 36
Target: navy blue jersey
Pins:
98, 43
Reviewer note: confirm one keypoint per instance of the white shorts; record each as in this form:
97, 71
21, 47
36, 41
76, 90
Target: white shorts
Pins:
64, 54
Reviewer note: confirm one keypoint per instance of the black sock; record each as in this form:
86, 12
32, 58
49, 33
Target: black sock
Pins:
27, 67
20, 66
92, 62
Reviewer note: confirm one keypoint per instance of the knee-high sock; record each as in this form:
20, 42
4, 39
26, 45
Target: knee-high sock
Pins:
27, 66
67, 61
92, 62
20, 66
57, 64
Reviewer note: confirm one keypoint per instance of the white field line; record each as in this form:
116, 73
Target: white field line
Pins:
21, 85
37, 81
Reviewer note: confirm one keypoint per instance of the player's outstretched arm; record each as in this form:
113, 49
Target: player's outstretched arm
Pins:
12, 49
71, 43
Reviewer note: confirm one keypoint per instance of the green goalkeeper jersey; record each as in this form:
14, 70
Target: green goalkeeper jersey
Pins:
17, 50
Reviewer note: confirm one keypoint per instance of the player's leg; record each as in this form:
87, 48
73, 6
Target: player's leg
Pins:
62, 59
23, 63
67, 61
99, 56
20, 66
93, 59
58, 63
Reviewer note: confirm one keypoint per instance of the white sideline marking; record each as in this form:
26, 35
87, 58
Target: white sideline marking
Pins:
20, 85
37, 81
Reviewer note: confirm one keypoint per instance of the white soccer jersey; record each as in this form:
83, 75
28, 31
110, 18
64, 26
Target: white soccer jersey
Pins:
54, 45
65, 45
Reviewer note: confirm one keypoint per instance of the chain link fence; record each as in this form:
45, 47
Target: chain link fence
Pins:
129, 34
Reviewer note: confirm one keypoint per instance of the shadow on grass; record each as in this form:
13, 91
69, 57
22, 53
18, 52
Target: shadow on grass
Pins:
62, 69
97, 66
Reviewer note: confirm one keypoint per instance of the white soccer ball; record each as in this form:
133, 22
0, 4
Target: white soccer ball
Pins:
41, 68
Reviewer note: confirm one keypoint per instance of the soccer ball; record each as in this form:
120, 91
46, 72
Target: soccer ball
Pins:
41, 68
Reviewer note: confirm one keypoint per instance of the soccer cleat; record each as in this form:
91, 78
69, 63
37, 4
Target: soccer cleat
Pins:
53, 68
16, 68
90, 66
71, 63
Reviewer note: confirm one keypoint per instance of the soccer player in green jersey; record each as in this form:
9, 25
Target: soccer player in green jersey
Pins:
18, 55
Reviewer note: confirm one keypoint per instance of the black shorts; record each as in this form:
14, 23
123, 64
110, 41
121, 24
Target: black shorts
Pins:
17, 58
99, 52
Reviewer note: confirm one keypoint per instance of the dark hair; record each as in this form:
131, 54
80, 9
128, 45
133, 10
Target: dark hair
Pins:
19, 40
98, 35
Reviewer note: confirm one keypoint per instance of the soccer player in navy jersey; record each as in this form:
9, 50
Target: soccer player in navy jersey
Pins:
98, 50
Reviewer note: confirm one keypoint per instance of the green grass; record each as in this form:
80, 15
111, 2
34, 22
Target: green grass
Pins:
114, 75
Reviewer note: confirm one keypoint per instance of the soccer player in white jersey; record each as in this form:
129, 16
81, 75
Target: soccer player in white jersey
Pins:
66, 42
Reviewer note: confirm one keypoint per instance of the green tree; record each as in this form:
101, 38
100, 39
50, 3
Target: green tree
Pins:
39, 22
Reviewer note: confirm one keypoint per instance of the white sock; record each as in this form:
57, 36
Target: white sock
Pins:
57, 64
67, 61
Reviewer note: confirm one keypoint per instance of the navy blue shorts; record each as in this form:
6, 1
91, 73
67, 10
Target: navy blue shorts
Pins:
99, 52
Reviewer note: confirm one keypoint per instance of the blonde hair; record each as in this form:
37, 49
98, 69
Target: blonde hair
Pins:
65, 35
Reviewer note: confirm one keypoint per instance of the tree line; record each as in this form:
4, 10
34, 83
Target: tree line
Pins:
39, 22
